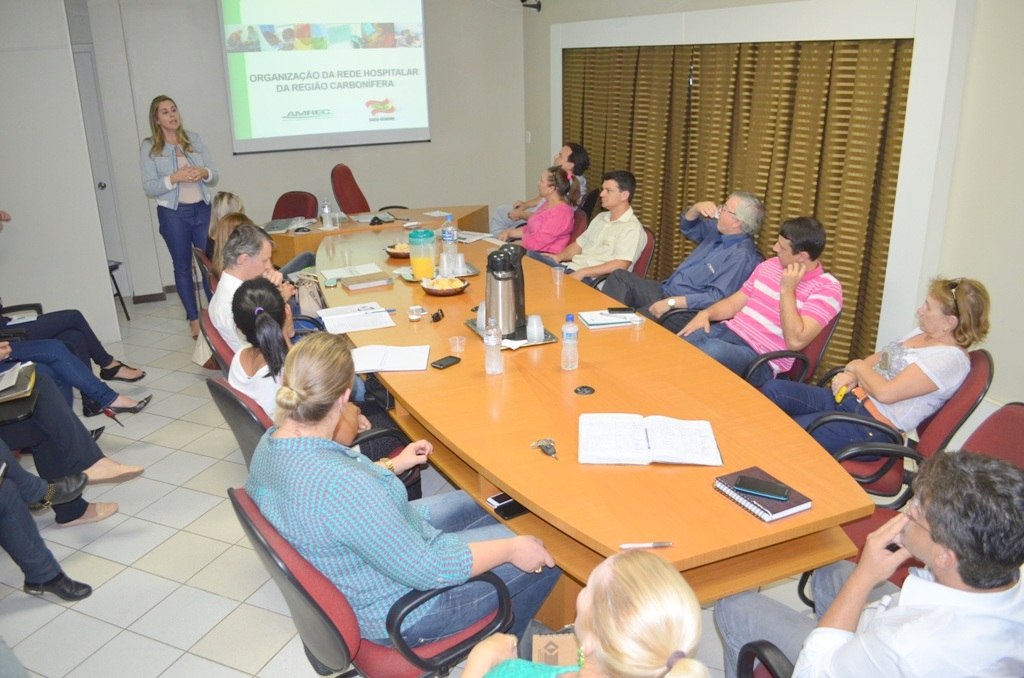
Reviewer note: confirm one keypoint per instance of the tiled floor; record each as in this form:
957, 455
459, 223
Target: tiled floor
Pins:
178, 590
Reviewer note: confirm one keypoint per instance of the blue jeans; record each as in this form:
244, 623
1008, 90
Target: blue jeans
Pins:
182, 229
60, 444
806, 404
29, 487
752, 616
457, 608
54, 358
19, 535
728, 348
73, 329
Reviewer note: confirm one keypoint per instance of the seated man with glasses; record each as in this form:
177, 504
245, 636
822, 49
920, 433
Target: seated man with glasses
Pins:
725, 256
783, 305
963, 615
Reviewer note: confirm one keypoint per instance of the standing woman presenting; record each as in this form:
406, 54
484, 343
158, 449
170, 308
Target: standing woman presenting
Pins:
176, 170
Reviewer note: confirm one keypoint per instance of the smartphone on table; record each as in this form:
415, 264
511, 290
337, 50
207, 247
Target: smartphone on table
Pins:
761, 488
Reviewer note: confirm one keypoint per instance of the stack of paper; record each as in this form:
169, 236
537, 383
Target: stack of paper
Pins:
595, 319
355, 317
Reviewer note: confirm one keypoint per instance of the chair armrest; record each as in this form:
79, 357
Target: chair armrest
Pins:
828, 376
669, 313
307, 324
13, 334
770, 657
849, 418
445, 659
381, 434
596, 282
775, 355
392, 207
38, 308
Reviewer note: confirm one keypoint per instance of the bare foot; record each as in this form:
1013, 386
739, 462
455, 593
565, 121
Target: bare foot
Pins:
94, 513
106, 470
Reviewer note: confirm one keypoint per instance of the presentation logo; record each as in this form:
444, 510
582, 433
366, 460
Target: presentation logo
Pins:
380, 107
313, 114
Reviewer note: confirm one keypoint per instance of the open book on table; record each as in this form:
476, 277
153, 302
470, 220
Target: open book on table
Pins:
635, 439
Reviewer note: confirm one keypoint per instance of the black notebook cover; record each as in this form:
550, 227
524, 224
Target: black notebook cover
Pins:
762, 507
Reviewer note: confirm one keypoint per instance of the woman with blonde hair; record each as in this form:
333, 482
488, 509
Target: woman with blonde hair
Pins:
176, 170
223, 204
905, 382
636, 618
227, 225
352, 520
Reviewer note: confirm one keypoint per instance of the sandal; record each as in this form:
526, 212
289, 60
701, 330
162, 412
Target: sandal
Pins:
110, 373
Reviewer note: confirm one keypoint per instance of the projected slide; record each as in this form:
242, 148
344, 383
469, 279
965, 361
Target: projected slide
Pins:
318, 74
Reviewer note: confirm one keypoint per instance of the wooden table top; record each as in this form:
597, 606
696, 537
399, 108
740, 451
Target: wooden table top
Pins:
467, 217
484, 425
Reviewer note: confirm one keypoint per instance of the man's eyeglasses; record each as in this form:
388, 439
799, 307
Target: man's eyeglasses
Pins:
437, 316
913, 512
723, 210
953, 286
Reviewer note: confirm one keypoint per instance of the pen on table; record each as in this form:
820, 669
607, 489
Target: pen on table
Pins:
841, 393
646, 545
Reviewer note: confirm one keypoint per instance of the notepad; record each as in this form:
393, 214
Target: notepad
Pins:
598, 319
17, 382
377, 358
355, 317
762, 507
619, 438
343, 272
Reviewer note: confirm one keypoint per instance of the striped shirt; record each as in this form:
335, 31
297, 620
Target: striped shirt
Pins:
351, 519
819, 296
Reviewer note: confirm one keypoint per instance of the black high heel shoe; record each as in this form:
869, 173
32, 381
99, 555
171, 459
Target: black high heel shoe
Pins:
91, 408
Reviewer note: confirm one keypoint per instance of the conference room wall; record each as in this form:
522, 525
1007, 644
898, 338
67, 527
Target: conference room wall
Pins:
476, 153
52, 252
933, 232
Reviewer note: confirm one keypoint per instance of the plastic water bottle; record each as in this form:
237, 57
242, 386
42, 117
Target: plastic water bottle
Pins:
325, 214
570, 343
494, 362
450, 238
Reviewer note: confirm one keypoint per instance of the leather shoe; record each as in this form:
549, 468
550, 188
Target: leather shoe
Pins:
135, 409
61, 586
90, 408
61, 491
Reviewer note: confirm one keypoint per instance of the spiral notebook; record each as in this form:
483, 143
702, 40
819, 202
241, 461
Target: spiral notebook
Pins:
762, 507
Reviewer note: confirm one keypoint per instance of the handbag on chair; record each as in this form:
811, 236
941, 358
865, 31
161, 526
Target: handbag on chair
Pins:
310, 296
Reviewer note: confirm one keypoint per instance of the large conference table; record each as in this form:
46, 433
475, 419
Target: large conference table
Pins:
482, 427
466, 217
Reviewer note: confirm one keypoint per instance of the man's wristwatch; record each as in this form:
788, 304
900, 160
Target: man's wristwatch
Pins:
671, 301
